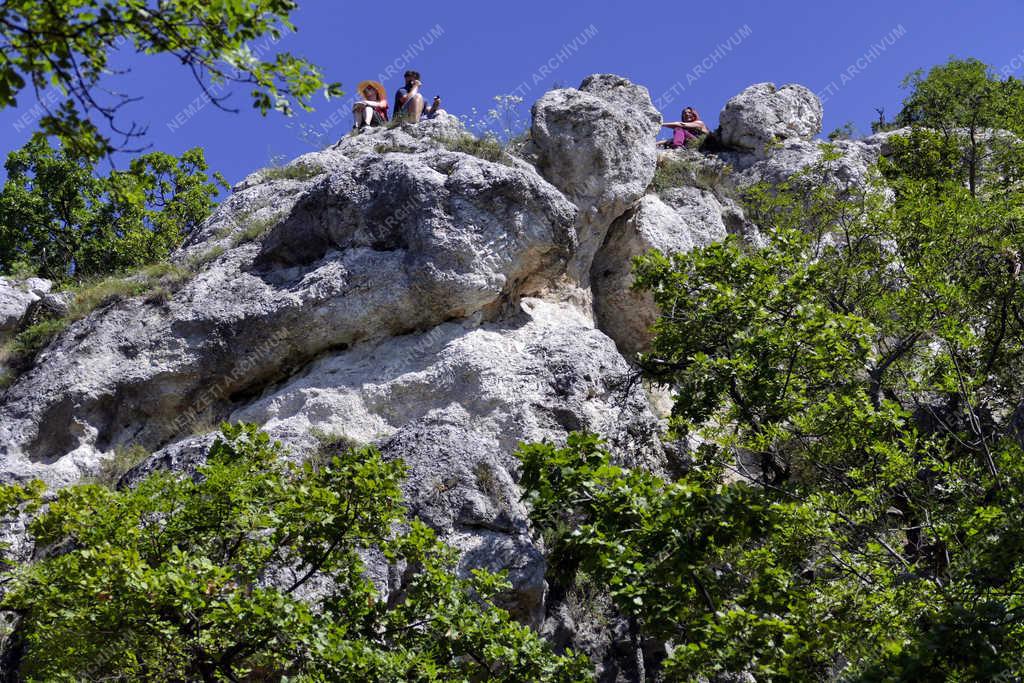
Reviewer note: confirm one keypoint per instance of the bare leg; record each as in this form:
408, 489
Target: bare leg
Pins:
367, 115
416, 108
357, 111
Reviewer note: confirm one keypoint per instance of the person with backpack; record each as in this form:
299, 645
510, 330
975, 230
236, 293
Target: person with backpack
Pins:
373, 109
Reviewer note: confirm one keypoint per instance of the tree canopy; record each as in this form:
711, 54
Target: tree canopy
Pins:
61, 220
254, 568
970, 110
69, 44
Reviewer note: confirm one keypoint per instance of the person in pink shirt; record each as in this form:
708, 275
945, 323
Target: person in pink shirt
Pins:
690, 128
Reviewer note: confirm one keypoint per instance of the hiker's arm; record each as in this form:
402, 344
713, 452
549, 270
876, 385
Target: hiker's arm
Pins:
673, 124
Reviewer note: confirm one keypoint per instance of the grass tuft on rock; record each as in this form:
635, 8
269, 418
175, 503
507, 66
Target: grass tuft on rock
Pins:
486, 148
113, 468
300, 171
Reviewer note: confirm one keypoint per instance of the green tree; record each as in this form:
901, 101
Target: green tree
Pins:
856, 384
69, 43
61, 220
253, 569
966, 103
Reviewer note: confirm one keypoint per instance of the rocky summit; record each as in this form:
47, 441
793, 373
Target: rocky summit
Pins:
394, 290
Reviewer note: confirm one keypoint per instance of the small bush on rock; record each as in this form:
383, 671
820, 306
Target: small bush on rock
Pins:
115, 467
486, 148
33, 338
394, 147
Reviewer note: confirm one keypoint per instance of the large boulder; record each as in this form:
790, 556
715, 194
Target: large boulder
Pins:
596, 145
676, 222
15, 298
392, 244
762, 116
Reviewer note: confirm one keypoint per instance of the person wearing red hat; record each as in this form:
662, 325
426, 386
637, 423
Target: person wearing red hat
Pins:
373, 109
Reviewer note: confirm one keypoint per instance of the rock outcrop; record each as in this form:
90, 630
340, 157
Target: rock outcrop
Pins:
595, 144
390, 290
15, 299
385, 290
341, 265
850, 169
685, 218
762, 116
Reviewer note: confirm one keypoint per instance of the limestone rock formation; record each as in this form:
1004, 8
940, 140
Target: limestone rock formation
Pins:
339, 264
441, 306
687, 217
16, 296
762, 115
385, 290
596, 145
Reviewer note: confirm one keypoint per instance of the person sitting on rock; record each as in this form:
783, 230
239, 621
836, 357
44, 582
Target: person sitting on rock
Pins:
409, 100
690, 128
373, 110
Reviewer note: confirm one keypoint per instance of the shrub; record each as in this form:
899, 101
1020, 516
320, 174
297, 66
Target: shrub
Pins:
33, 338
847, 131
392, 147
198, 261
255, 228
676, 169
144, 281
253, 569
112, 469
672, 171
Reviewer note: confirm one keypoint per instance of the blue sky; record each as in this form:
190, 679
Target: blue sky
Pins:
854, 54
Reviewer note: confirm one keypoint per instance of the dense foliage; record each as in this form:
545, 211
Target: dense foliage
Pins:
61, 220
68, 44
970, 110
254, 569
854, 390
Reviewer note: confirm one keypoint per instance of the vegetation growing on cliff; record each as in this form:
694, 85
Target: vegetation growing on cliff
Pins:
855, 506
254, 569
61, 220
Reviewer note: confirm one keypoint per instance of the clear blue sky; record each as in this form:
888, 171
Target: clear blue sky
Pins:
468, 52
